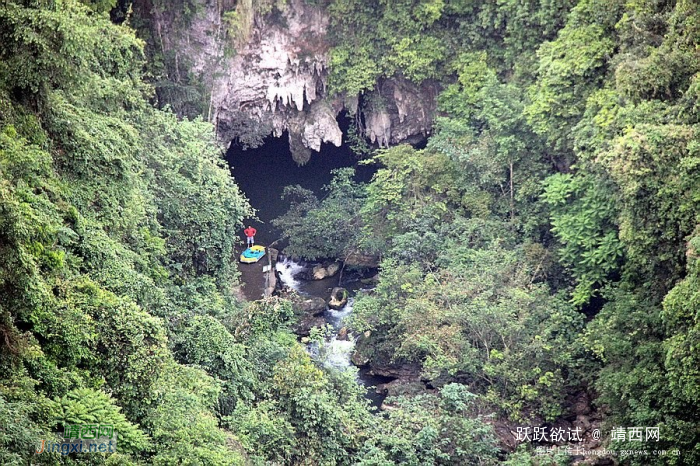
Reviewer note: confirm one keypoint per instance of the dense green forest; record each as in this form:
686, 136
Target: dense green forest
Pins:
543, 247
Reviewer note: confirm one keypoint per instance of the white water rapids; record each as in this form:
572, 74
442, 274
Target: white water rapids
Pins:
333, 353
336, 353
287, 269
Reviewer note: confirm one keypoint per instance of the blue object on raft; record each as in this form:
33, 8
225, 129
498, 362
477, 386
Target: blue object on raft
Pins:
252, 254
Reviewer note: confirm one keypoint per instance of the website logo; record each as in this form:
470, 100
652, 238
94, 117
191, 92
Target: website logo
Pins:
82, 438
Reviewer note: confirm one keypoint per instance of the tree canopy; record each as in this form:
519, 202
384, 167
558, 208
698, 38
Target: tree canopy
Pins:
542, 247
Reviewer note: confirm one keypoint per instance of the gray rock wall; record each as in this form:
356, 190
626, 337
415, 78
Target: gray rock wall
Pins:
276, 80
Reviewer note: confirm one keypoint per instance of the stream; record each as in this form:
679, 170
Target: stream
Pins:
335, 353
262, 173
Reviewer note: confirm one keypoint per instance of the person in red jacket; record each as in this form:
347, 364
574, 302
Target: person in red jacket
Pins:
250, 235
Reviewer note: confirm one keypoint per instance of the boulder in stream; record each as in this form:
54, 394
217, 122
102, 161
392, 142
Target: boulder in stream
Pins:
381, 361
321, 271
309, 312
339, 298
333, 268
306, 323
358, 259
359, 359
314, 306
373, 280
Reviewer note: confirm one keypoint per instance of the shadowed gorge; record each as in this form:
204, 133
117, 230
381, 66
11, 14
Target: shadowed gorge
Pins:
489, 210
263, 172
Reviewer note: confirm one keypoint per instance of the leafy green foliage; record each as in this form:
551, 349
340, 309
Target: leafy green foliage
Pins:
485, 133
262, 429
300, 412
650, 373
207, 343
418, 39
330, 227
653, 69
583, 219
565, 152
89, 406
656, 169
305, 394
576, 150
86, 248
480, 318
627, 336
412, 195
681, 318
199, 206
429, 429
46, 47
20, 433
570, 68
357, 71
183, 421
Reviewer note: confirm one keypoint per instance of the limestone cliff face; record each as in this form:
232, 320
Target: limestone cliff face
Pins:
276, 80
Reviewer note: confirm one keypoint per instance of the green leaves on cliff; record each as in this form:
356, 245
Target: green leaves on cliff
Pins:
372, 41
570, 68
543, 244
419, 39
583, 219
434, 429
60, 44
565, 143
109, 210
88, 406
326, 228
357, 71
479, 318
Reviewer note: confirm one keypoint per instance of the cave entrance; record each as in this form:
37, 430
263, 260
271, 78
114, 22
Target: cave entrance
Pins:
263, 172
